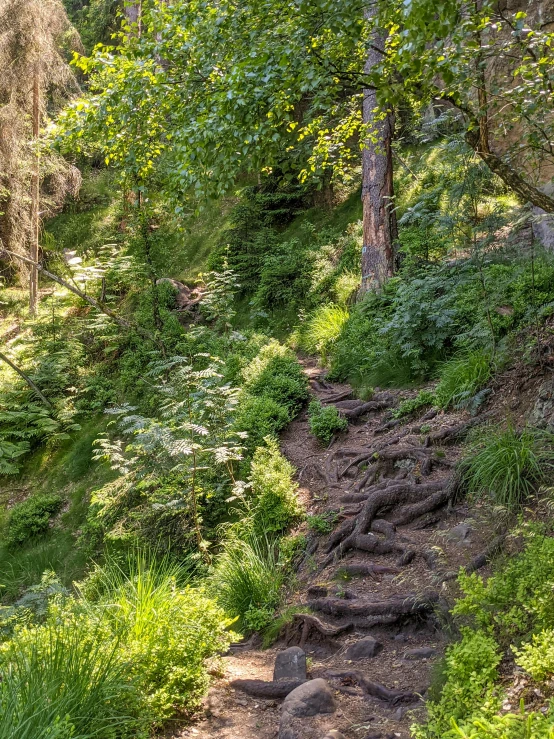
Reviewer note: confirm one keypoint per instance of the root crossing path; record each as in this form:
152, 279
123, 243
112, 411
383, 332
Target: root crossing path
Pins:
372, 594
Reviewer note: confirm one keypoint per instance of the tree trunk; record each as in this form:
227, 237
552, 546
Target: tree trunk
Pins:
379, 218
133, 13
35, 197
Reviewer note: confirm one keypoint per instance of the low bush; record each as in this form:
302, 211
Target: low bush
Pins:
260, 417
275, 505
31, 518
471, 667
325, 421
124, 658
461, 378
508, 466
519, 599
510, 613
322, 328
276, 374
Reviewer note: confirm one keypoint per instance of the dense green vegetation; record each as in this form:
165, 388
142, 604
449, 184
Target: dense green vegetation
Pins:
147, 515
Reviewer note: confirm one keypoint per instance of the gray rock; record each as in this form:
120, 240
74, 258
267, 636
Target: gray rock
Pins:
542, 414
363, 649
309, 699
459, 533
420, 653
290, 664
334, 734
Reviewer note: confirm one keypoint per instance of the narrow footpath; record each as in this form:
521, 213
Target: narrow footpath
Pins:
372, 596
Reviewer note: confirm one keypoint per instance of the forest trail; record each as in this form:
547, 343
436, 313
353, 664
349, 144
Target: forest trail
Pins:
385, 571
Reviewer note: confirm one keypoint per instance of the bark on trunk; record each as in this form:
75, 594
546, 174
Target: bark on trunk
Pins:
133, 12
379, 218
35, 198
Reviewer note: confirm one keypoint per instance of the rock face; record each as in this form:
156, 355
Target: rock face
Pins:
542, 414
363, 649
290, 664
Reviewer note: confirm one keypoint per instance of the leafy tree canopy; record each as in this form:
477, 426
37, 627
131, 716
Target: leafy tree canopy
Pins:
206, 92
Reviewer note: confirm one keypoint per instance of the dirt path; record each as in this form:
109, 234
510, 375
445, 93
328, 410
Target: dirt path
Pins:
389, 489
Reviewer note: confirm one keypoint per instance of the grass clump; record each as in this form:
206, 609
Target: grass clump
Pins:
125, 657
247, 581
423, 399
31, 518
461, 378
325, 421
322, 523
322, 329
508, 466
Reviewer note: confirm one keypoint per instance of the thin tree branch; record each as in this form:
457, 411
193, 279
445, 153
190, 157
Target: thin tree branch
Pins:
27, 379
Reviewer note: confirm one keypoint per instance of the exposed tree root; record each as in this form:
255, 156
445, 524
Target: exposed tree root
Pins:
337, 397
368, 570
451, 434
409, 513
348, 534
307, 628
277, 689
370, 407
373, 613
375, 690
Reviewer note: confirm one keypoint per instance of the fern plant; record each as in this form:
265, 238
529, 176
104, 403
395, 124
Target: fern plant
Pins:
191, 435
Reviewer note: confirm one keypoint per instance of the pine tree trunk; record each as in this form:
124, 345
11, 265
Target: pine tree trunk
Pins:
35, 198
379, 218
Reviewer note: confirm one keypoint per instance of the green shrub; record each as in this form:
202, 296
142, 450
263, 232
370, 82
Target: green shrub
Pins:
276, 374
128, 655
537, 658
325, 421
31, 518
276, 504
471, 667
166, 633
260, 417
519, 599
423, 399
322, 329
461, 378
508, 465
246, 581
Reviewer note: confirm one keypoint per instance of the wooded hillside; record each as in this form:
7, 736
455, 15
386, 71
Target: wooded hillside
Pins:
276, 392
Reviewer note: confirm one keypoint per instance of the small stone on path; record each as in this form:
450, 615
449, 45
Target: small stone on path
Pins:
363, 649
290, 664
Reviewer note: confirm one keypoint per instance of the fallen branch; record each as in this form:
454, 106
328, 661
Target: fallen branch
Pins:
27, 379
87, 298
